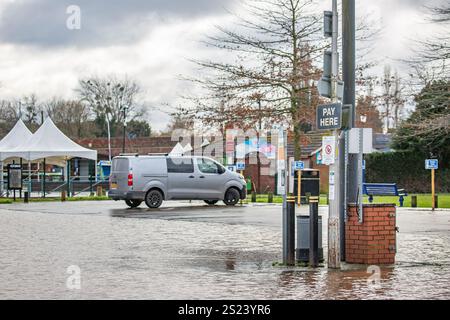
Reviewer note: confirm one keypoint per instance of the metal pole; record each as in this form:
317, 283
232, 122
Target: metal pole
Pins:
68, 177
43, 180
290, 226
109, 138
335, 205
21, 181
348, 74
124, 130
360, 181
433, 199
29, 178
1, 179
299, 187
91, 186
314, 231
258, 146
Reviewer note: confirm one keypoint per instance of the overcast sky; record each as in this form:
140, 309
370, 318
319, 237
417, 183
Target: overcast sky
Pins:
147, 40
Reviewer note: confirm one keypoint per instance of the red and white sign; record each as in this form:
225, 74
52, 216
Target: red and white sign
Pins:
328, 150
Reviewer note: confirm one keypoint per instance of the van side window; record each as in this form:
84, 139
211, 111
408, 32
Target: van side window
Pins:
180, 165
208, 166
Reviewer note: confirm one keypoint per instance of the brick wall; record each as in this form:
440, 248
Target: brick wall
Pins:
374, 240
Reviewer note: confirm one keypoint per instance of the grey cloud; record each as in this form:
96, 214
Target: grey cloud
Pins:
103, 22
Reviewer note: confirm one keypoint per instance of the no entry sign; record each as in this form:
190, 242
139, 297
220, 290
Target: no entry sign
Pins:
328, 149
329, 116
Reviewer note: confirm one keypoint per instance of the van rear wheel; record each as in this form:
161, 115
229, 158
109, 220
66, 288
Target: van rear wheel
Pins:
232, 197
133, 203
154, 199
211, 202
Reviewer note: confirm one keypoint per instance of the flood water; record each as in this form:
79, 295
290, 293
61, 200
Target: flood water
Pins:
198, 253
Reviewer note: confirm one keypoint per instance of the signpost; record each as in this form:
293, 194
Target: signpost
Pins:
432, 164
329, 116
299, 166
14, 178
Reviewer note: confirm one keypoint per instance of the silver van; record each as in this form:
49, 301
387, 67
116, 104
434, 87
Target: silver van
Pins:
152, 179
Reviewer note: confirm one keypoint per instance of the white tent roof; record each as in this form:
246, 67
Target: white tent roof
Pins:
187, 148
18, 134
49, 142
15, 137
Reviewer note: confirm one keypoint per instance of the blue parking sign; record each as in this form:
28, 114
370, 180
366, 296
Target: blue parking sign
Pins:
240, 166
299, 165
431, 164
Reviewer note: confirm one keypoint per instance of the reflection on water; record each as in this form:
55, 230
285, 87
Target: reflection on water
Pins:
133, 254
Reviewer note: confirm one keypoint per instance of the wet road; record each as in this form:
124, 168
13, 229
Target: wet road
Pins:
192, 251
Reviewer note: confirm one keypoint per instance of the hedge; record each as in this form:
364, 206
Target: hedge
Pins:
407, 169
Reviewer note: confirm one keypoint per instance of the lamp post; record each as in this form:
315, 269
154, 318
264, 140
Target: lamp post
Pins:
124, 109
97, 99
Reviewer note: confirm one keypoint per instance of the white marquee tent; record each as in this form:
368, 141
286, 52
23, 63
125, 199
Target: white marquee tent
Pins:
13, 139
48, 142
178, 150
18, 134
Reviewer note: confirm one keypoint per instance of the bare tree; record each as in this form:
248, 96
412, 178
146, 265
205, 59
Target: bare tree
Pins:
391, 100
71, 116
428, 127
275, 47
111, 99
274, 52
9, 114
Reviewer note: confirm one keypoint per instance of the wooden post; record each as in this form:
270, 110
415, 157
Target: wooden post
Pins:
433, 199
63, 195
299, 187
413, 201
99, 191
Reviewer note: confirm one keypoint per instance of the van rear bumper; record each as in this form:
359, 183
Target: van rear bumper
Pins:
129, 195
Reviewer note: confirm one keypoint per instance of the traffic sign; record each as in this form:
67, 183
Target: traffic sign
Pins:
328, 149
431, 164
329, 116
240, 166
299, 165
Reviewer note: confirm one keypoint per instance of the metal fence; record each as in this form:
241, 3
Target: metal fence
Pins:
53, 186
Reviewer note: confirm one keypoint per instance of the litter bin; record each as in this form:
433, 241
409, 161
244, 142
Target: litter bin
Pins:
310, 184
302, 250
249, 185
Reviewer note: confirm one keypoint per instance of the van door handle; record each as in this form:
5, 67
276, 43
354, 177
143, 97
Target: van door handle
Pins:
202, 177
191, 177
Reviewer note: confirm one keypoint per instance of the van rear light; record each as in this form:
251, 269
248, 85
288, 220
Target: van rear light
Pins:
130, 179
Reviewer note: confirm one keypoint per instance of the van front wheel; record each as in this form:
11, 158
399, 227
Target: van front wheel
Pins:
154, 199
232, 197
133, 203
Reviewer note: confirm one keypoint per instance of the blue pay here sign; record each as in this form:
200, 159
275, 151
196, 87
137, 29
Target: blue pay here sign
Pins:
431, 164
329, 116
